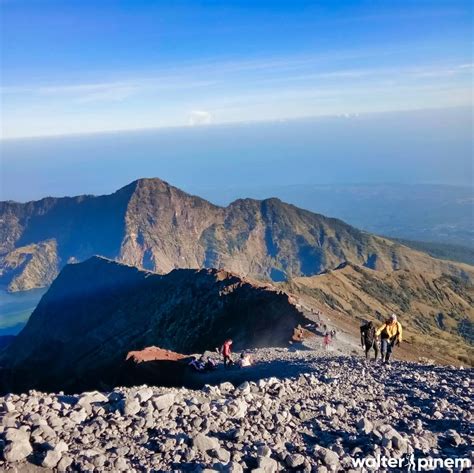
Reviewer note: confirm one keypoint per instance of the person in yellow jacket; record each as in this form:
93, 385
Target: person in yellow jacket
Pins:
391, 333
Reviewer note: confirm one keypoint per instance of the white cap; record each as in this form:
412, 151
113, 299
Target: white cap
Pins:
393, 317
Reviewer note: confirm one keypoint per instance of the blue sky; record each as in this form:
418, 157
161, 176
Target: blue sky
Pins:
81, 66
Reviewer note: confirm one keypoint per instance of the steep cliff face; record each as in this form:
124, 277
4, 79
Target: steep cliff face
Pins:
153, 225
163, 226
31, 266
38, 238
96, 312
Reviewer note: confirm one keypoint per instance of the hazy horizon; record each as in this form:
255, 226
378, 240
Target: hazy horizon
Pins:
431, 146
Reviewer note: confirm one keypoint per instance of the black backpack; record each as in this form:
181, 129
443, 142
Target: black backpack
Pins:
368, 331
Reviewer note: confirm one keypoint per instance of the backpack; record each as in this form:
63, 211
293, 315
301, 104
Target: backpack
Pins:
368, 331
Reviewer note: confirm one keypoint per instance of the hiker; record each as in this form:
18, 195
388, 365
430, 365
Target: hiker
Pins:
333, 333
368, 339
391, 335
226, 351
197, 365
327, 340
245, 360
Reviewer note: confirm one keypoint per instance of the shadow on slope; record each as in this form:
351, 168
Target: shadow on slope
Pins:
97, 311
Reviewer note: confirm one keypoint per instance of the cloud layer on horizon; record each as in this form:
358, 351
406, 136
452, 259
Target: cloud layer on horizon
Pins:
269, 89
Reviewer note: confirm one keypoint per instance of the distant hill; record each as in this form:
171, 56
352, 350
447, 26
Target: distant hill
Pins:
153, 225
97, 311
436, 310
461, 254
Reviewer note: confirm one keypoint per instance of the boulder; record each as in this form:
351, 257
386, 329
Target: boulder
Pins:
92, 398
131, 407
64, 463
294, 460
223, 455
17, 435
364, 425
203, 443
164, 401
78, 416
237, 409
234, 467
329, 458
142, 395
51, 459
17, 450
267, 465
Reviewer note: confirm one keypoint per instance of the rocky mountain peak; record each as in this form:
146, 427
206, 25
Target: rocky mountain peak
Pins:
153, 184
153, 225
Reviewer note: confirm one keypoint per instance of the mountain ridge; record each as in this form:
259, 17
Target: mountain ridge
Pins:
156, 226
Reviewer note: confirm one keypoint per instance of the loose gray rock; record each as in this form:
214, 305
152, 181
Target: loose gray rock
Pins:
237, 408
267, 464
131, 407
454, 438
164, 402
264, 451
203, 443
223, 455
17, 435
78, 416
365, 426
51, 458
327, 410
121, 464
294, 460
268, 425
144, 394
329, 458
64, 463
235, 467
17, 450
92, 398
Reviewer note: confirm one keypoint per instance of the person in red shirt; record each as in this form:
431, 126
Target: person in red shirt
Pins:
327, 340
227, 352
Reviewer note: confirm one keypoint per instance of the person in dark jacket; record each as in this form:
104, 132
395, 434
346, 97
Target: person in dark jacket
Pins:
368, 339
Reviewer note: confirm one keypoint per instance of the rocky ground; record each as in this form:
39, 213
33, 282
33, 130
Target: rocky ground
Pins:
319, 416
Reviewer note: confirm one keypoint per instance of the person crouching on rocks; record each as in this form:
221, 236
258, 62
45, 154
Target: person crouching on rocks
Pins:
391, 335
368, 339
245, 360
196, 364
226, 351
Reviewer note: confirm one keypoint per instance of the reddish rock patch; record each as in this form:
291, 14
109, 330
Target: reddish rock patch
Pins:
154, 365
153, 354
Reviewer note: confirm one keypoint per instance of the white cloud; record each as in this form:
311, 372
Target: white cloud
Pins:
199, 117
